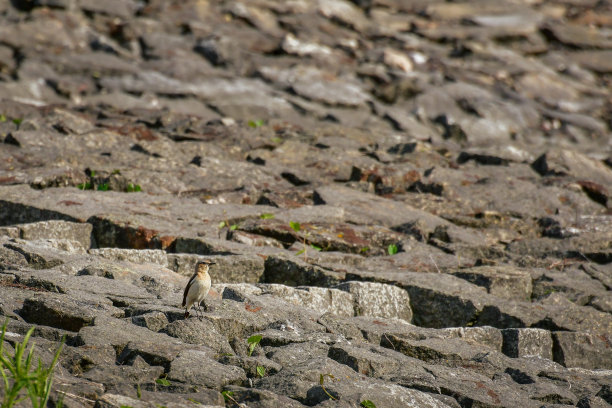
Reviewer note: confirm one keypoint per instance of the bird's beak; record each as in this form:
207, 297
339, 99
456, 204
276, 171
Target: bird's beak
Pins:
212, 263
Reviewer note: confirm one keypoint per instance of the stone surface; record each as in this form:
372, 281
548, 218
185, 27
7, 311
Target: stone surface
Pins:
406, 202
527, 342
575, 349
378, 300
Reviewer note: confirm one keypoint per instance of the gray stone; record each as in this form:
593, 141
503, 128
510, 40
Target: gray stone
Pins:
527, 342
227, 269
118, 333
437, 300
79, 232
205, 397
194, 331
296, 353
257, 398
575, 349
479, 389
379, 362
61, 312
379, 300
596, 60
118, 401
322, 300
340, 326
303, 382
38, 254
111, 376
295, 272
197, 368
140, 137
154, 321
132, 255
502, 281
483, 336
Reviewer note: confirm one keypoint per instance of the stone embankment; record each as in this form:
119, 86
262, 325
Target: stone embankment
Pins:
408, 201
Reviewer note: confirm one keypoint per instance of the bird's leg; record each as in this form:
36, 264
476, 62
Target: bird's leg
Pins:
200, 310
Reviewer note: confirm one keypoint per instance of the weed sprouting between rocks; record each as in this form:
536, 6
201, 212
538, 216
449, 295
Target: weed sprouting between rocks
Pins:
17, 373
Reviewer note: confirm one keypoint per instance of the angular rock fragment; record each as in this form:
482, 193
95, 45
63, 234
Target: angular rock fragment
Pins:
295, 272
575, 349
502, 281
186, 368
378, 300
527, 342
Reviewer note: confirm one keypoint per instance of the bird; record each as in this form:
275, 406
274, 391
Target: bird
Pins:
198, 286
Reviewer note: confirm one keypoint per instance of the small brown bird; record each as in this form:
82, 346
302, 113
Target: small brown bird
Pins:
198, 286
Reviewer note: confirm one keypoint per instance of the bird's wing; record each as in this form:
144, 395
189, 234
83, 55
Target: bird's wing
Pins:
187, 289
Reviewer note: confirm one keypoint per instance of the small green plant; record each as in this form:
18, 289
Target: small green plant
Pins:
253, 341
133, 188
163, 381
261, 371
232, 227
266, 216
85, 186
322, 383
297, 227
368, 404
256, 123
392, 249
138, 392
103, 187
17, 373
2, 117
229, 396
17, 121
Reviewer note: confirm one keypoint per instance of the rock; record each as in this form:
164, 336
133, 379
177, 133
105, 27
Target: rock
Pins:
378, 300
322, 300
79, 232
227, 269
443, 304
296, 353
118, 333
379, 362
117, 401
483, 336
37, 255
131, 255
257, 398
187, 368
193, 331
575, 349
294, 272
504, 282
527, 342
480, 390
566, 315
303, 382
154, 321
113, 377
448, 163
596, 60
206, 397
61, 312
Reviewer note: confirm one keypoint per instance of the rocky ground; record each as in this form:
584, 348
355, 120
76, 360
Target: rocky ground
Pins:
408, 201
